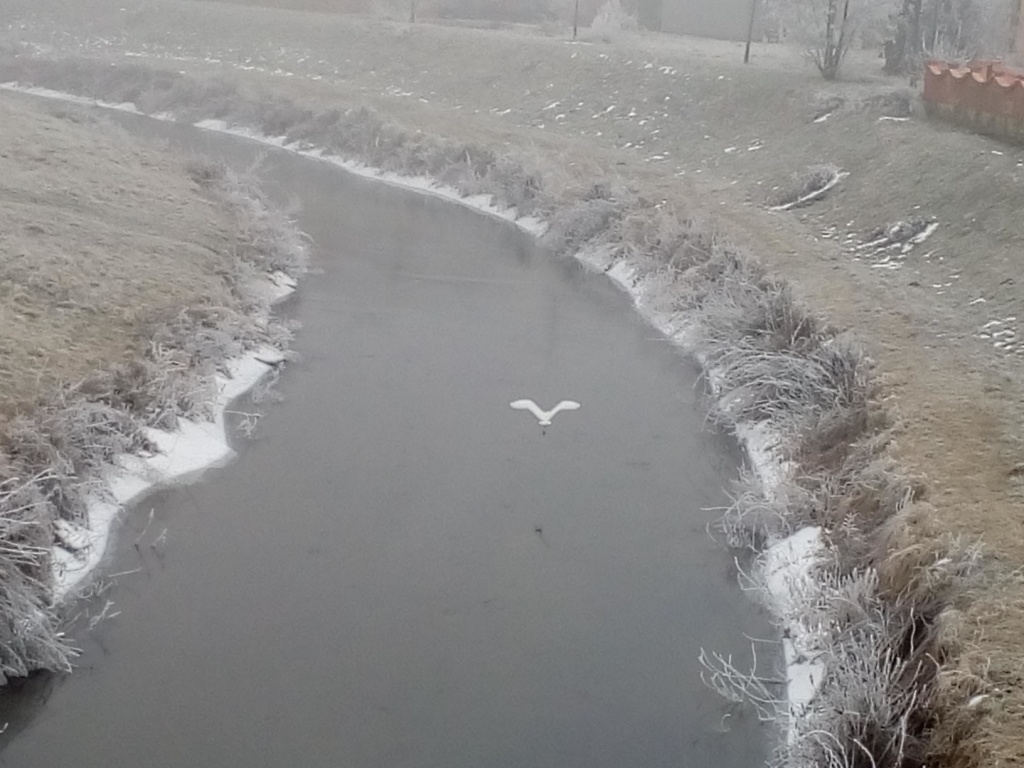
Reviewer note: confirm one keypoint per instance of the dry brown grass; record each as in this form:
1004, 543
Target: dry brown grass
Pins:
77, 208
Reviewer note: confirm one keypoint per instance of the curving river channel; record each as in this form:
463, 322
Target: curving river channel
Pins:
403, 571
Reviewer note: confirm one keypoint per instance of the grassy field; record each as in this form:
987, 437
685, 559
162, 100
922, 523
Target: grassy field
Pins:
683, 125
101, 236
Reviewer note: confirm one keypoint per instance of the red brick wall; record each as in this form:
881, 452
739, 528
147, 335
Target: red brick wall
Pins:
985, 95
983, 86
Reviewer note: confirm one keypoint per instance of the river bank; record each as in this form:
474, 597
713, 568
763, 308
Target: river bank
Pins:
144, 283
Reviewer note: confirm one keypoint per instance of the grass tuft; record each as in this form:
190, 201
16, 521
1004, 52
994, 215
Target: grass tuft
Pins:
804, 188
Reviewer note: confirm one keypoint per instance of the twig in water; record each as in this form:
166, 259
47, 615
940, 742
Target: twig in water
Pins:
149, 522
124, 573
157, 544
247, 423
104, 614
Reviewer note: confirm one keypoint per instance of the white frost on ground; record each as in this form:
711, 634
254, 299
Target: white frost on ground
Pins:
424, 184
181, 457
839, 176
276, 287
84, 101
762, 450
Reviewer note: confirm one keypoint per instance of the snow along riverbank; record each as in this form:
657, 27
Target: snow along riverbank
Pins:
181, 457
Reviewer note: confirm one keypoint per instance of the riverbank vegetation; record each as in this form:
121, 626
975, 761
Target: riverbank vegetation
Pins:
130, 279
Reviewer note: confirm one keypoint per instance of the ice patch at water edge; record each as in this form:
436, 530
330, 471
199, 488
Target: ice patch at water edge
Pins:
789, 568
182, 456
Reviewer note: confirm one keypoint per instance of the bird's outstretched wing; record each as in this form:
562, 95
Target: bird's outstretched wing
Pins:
528, 405
544, 417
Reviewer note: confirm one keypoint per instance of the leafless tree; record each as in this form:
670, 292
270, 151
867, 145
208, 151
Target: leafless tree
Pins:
829, 55
824, 27
911, 29
905, 44
948, 29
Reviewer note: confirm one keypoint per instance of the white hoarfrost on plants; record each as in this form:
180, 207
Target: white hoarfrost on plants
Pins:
181, 457
85, 101
785, 573
424, 184
484, 203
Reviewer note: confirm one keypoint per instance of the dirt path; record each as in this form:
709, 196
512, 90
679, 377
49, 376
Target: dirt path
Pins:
684, 123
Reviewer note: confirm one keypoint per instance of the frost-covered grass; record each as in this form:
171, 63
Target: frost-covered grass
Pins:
803, 188
870, 638
30, 637
871, 619
868, 618
869, 612
866, 605
356, 133
55, 456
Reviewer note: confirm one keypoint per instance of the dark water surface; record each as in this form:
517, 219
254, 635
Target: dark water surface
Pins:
367, 586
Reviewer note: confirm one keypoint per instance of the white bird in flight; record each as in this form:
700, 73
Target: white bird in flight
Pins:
544, 417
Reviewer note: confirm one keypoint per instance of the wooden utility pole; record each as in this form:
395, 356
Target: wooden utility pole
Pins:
576, 20
1015, 28
750, 30
412, 11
